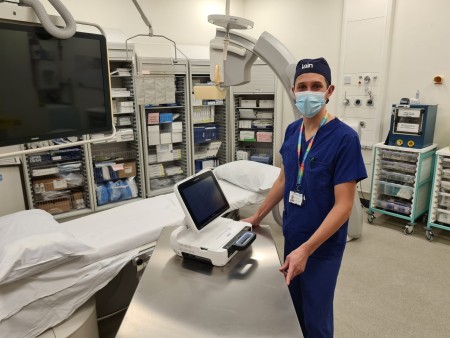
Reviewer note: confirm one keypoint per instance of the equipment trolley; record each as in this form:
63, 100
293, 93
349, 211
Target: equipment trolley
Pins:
439, 215
401, 183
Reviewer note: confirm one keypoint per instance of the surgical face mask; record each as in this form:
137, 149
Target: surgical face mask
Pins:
309, 103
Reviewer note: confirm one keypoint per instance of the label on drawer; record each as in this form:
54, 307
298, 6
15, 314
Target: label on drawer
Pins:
408, 112
408, 128
60, 184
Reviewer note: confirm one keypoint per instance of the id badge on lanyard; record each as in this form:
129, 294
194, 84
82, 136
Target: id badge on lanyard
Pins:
297, 198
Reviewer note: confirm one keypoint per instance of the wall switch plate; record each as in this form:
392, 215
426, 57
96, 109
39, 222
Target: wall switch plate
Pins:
347, 79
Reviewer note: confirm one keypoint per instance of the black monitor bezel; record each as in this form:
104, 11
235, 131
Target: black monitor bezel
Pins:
108, 127
194, 180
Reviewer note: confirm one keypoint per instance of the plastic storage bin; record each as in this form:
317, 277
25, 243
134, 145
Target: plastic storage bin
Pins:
443, 216
393, 205
399, 167
393, 176
446, 174
444, 201
398, 156
396, 190
445, 186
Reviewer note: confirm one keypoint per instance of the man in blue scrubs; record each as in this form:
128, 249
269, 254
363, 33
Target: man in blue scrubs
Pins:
322, 162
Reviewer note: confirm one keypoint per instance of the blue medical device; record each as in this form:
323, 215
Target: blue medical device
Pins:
412, 126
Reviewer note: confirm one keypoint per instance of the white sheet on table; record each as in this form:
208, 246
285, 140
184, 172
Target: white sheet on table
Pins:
128, 226
46, 312
138, 223
37, 300
110, 232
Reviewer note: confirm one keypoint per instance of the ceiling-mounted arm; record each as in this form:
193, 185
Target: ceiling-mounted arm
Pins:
144, 17
243, 52
60, 33
150, 30
279, 58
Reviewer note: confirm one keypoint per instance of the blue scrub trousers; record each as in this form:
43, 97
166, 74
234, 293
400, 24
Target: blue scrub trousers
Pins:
312, 293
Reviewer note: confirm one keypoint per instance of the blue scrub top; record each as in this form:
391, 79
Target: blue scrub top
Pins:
334, 158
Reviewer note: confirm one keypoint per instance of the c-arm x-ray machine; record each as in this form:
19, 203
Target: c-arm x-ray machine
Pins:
232, 56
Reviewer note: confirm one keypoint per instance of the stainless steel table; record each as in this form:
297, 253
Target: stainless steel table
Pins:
178, 297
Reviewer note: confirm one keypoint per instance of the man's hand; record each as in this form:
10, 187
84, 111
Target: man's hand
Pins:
294, 264
253, 220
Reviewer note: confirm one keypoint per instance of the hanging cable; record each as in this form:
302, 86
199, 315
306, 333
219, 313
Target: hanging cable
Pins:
60, 33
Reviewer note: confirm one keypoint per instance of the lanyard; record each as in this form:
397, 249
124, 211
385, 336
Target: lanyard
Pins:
301, 168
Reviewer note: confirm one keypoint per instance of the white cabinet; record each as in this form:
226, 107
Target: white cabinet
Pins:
439, 215
401, 182
254, 120
208, 123
254, 116
163, 88
117, 164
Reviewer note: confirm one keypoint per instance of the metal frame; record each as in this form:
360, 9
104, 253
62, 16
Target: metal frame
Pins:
431, 223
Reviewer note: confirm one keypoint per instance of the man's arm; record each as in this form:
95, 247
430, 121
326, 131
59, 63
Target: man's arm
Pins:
274, 197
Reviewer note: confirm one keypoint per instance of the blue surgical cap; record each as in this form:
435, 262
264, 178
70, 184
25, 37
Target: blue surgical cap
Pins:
318, 66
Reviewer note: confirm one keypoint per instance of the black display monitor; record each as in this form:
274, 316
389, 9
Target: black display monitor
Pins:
52, 88
202, 199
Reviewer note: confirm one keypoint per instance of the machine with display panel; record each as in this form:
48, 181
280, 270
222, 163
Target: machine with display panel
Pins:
206, 236
412, 126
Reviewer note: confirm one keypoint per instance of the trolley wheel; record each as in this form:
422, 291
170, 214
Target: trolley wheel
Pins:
408, 229
370, 218
429, 235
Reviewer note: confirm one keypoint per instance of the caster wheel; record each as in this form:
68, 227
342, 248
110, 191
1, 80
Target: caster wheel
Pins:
408, 230
370, 218
429, 235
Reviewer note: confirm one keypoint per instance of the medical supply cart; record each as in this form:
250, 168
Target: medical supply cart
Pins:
117, 164
439, 215
164, 108
209, 123
254, 116
401, 183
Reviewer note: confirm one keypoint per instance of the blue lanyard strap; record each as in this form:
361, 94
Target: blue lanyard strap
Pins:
301, 169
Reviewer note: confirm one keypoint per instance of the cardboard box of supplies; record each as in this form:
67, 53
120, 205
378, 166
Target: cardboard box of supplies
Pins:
78, 200
264, 136
56, 206
129, 170
49, 184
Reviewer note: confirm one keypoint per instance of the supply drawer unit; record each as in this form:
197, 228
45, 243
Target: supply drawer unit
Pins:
401, 183
117, 164
439, 215
57, 181
209, 123
254, 117
165, 121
